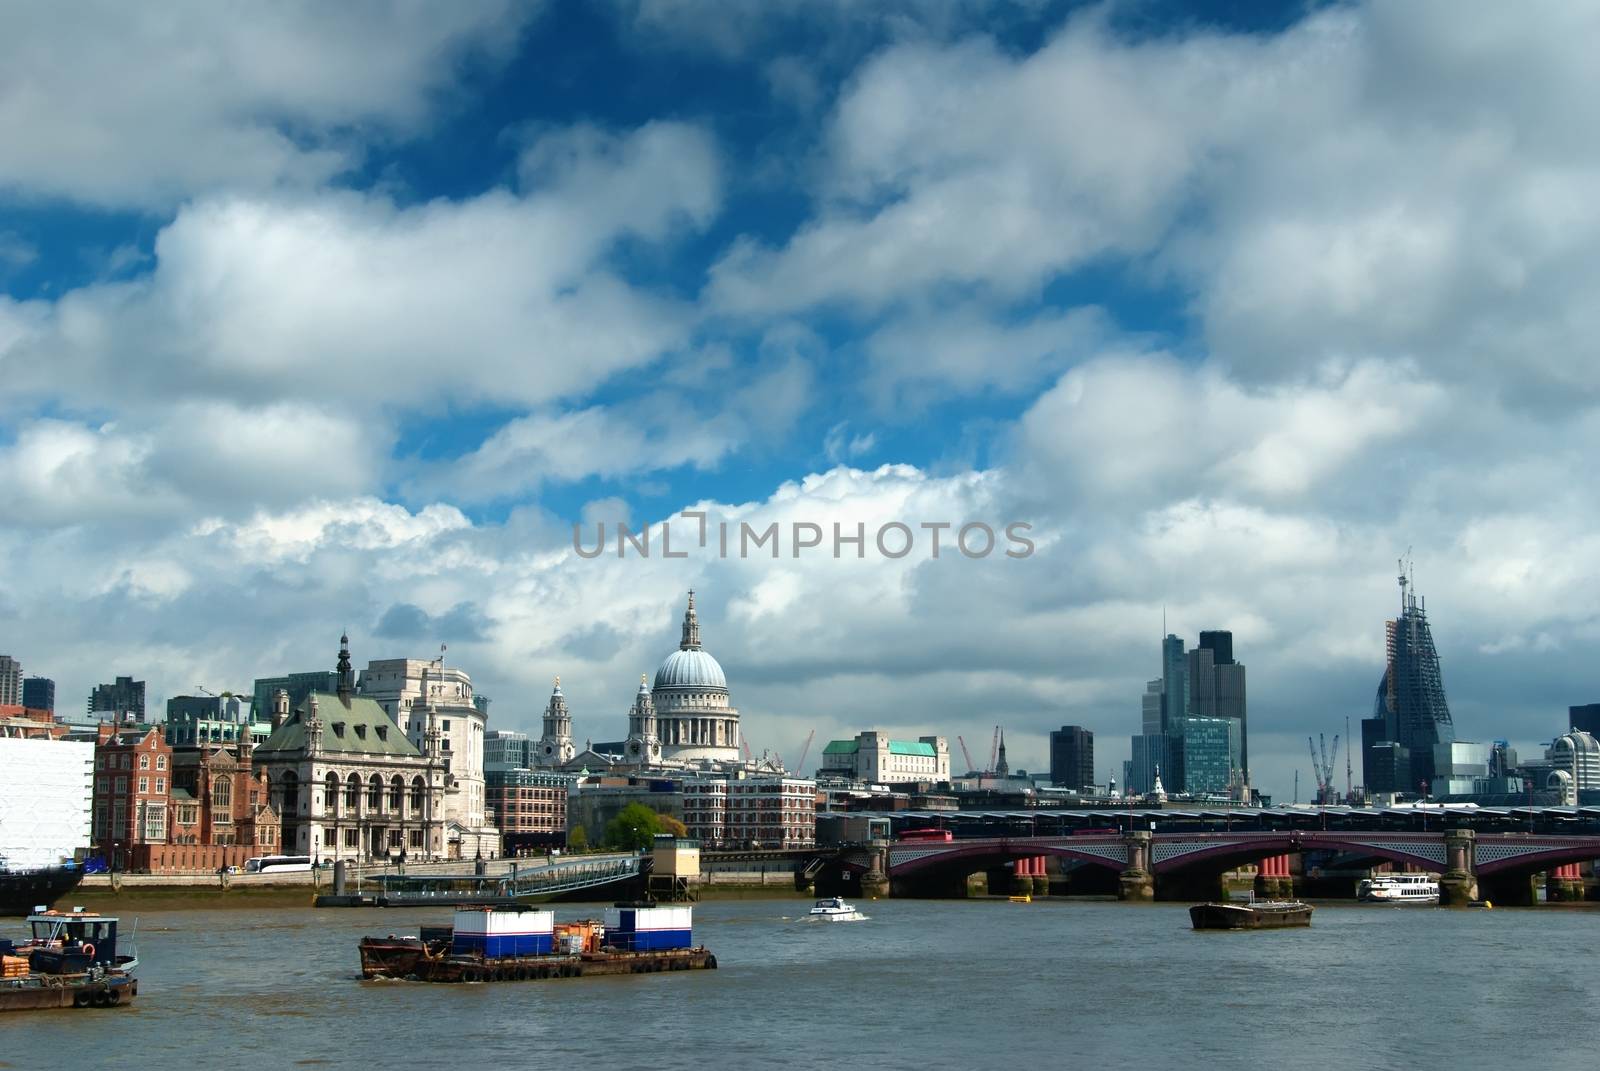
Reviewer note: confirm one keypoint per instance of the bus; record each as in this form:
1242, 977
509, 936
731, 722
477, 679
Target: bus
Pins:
943, 835
277, 864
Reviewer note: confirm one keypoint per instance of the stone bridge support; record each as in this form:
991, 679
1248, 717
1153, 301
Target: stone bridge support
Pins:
1137, 881
875, 882
1459, 884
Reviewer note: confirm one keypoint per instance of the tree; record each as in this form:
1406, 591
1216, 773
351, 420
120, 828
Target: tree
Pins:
633, 829
578, 839
671, 825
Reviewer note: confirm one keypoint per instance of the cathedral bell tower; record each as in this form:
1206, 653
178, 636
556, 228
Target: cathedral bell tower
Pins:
644, 746
555, 744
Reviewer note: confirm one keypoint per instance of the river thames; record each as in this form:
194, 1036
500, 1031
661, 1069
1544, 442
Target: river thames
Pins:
923, 984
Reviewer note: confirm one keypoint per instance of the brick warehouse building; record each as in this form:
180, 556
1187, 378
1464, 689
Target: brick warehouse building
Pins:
165, 810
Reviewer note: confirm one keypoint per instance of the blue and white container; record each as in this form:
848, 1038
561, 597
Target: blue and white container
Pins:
650, 929
497, 934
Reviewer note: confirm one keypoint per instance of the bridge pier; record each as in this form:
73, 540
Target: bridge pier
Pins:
1273, 879
1041, 878
1137, 882
1459, 884
1564, 884
875, 882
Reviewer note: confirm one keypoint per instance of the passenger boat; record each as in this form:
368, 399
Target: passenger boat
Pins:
1399, 889
516, 944
1250, 915
834, 909
71, 960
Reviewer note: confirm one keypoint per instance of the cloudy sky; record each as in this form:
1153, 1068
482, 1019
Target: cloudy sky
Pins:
317, 317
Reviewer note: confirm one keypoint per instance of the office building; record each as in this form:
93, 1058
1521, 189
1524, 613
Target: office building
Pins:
1205, 753
1149, 756
528, 807
1153, 714
874, 758
1072, 758
120, 702
193, 720
1174, 682
297, 685
39, 693
507, 749
1584, 719
1410, 706
10, 682
1578, 754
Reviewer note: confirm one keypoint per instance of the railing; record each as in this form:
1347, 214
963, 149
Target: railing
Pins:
546, 880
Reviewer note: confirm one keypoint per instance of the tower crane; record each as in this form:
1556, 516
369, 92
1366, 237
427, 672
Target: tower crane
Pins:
1322, 766
971, 768
804, 751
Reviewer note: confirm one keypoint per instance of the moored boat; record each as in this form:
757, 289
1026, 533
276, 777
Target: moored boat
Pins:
522, 944
70, 960
21, 891
1250, 915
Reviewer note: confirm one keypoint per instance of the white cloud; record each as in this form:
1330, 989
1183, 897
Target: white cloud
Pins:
363, 304
158, 103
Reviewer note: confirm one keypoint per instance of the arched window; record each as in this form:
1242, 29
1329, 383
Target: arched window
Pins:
222, 793
330, 794
144, 762
397, 788
352, 794
419, 796
375, 794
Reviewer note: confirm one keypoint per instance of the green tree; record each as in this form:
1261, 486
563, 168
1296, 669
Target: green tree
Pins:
578, 839
671, 825
633, 829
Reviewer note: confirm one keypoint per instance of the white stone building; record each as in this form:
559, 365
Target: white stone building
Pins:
875, 758
396, 683
445, 702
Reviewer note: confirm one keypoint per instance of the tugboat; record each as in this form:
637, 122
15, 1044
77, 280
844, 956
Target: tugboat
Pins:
70, 961
519, 944
1250, 915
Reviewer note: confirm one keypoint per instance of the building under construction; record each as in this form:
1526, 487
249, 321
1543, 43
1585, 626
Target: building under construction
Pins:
1410, 715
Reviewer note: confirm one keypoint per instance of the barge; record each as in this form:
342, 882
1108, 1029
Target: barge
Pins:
1250, 915
519, 944
70, 960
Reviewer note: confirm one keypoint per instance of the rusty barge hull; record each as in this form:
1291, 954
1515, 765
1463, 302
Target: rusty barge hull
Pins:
392, 960
71, 994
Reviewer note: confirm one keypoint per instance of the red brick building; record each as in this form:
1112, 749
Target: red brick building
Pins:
163, 810
529, 808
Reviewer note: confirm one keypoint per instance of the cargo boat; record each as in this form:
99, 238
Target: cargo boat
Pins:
524, 944
71, 960
1250, 915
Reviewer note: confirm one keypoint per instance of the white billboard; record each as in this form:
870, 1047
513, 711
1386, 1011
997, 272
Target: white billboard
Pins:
45, 790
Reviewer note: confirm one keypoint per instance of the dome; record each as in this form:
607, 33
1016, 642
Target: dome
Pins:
690, 669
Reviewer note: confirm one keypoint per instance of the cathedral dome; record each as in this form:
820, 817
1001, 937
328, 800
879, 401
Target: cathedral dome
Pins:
690, 669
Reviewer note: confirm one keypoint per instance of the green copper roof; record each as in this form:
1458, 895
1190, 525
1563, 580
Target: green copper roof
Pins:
841, 747
362, 728
902, 747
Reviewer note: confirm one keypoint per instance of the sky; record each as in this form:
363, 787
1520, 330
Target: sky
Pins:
322, 317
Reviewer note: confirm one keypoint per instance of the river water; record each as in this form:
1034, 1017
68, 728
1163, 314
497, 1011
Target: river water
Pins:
923, 984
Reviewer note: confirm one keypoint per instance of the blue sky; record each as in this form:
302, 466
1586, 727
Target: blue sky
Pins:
321, 318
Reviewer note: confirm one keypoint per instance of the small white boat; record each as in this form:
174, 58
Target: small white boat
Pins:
1399, 889
834, 909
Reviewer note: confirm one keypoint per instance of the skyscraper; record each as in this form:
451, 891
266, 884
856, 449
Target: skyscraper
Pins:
1072, 758
1216, 684
120, 701
1174, 681
1205, 754
1584, 719
1153, 709
39, 693
10, 682
1410, 704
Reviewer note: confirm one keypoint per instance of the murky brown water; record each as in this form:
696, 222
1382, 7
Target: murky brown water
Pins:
922, 985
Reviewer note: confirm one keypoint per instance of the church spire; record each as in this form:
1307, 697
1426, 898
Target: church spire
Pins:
691, 627
347, 678
1001, 767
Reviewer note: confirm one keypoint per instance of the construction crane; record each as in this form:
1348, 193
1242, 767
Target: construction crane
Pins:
804, 751
971, 768
1322, 766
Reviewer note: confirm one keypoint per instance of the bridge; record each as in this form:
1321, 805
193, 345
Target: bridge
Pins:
1494, 856
559, 878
